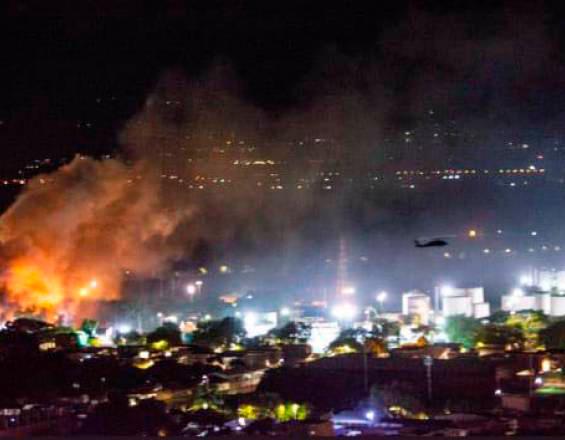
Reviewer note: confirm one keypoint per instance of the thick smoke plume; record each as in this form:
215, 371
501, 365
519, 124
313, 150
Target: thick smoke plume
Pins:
69, 237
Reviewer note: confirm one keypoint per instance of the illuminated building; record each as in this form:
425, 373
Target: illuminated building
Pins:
464, 301
417, 304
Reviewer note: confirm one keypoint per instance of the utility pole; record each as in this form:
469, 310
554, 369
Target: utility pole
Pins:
365, 369
428, 361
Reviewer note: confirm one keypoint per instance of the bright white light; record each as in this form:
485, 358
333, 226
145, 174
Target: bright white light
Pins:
285, 311
199, 283
538, 381
171, 318
498, 392
93, 284
381, 296
191, 289
533, 233
526, 280
446, 290
344, 311
518, 292
348, 290
250, 319
370, 415
124, 328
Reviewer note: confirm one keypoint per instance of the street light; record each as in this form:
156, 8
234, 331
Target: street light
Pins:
345, 311
381, 298
191, 290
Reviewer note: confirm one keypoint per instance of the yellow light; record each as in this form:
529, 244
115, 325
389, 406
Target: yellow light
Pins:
83, 292
160, 345
472, 233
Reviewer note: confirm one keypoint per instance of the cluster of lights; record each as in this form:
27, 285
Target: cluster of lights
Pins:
85, 291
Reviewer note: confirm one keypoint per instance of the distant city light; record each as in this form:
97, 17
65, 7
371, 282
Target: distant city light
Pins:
224, 269
381, 296
191, 289
518, 292
348, 290
370, 415
344, 311
533, 233
486, 251
199, 283
472, 233
285, 311
538, 381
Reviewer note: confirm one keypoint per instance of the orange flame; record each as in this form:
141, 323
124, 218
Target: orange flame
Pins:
65, 245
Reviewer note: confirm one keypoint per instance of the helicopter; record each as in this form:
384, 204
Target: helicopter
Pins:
433, 242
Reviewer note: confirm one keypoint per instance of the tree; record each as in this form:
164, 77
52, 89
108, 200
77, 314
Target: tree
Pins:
292, 333
531, 323
384, 328
553, 336
27, 325
496, 334
499, 317
168, 332
349, 340
221, 333
89, 327
462, 330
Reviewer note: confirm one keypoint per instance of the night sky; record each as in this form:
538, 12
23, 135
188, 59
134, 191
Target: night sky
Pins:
73, 76
501, 62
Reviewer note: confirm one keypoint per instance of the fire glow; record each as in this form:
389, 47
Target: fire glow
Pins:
64, 246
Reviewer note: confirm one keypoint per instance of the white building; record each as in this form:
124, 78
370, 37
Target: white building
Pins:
517, 300
323, 333
550, 280
464, 301
557, 305
257, 324
417, 303
546, 302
